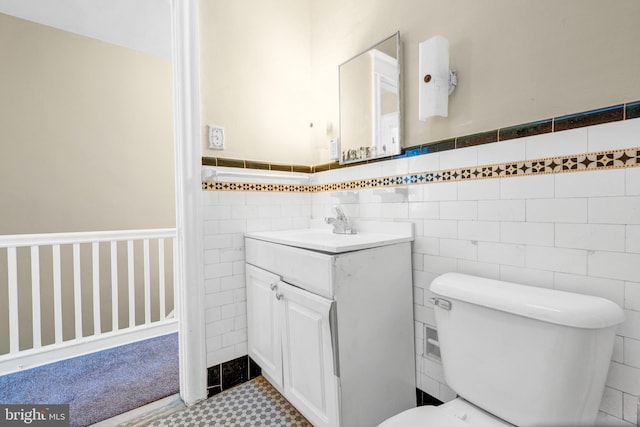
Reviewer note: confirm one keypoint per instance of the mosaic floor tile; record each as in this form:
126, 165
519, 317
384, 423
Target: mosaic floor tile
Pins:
252, 404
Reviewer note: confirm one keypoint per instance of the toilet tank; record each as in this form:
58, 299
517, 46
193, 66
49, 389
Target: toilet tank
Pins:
531, 356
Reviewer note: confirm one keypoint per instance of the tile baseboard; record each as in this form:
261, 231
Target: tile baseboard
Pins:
226, 375
423, 399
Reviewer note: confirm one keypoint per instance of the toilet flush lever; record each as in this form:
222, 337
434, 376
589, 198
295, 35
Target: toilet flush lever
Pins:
441, 302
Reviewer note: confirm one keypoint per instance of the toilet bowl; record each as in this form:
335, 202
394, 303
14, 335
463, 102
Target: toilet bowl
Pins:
517, 355
455, 413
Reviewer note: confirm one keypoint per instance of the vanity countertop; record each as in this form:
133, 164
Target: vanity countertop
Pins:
370, 234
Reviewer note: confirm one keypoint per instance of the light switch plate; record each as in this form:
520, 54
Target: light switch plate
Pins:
216, 138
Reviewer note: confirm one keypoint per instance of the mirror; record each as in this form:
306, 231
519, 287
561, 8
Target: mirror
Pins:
370, 103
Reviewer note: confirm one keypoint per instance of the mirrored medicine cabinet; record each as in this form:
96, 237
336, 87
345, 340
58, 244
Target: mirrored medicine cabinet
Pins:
370, 119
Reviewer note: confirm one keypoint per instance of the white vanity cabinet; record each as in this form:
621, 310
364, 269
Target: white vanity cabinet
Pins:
263, 317
333, 332
290, 338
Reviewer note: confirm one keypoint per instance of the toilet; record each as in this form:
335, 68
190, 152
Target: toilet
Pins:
517, 355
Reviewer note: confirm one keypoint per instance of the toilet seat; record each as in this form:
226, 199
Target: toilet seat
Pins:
456, 413
424, 416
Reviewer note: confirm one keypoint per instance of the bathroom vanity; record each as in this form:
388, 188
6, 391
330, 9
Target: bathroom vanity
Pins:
330, 320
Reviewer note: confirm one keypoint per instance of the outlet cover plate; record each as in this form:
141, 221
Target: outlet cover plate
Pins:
216, 138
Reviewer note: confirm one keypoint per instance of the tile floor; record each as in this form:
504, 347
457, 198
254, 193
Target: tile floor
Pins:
254, 403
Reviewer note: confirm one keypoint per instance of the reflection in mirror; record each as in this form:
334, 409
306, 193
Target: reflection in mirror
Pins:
370, 103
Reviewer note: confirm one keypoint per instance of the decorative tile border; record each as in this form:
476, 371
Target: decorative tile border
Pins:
614, 113
613, 159
630, 110
249, 164
250, 186
529, 129
596, 117
477, 139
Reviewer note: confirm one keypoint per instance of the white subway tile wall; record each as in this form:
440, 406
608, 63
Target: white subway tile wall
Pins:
612, 402
577, 232
614, 135
459, 158
591, 184
568, 142
502, 152
632, 182
227, 216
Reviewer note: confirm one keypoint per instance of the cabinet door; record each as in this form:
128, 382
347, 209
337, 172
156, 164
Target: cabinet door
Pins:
264, 337
309, 380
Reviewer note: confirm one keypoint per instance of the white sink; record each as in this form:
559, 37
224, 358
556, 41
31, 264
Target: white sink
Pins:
369, 234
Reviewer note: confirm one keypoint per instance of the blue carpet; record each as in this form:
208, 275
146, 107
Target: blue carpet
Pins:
100, 385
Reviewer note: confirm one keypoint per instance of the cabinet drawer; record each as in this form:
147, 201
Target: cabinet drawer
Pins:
309, 270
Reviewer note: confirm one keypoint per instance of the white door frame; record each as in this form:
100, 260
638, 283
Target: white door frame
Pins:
188, 158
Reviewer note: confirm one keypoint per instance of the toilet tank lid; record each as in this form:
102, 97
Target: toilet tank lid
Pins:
548, 305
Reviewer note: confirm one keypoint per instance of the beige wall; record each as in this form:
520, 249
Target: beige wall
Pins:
86, 136
86, 133
517, 61
255, 70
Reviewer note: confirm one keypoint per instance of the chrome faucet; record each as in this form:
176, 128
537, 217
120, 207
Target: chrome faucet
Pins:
341, 223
